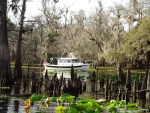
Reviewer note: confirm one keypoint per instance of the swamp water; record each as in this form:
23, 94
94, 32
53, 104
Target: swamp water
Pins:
13, 101
15, 104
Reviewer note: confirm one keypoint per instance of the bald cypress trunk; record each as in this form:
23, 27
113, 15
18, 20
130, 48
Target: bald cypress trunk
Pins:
18, 63
5, 69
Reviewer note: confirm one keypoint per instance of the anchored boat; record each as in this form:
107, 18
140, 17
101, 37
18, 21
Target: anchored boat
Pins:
65, 64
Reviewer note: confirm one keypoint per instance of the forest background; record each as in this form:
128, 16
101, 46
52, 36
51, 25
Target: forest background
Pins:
119, 34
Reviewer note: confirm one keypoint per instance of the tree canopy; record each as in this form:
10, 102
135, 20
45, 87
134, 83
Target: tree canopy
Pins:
118, 34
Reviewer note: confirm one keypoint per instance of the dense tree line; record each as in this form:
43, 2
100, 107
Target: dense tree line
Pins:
119, 34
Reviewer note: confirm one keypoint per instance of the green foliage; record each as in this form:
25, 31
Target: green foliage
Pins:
113, 55
52, 37
53, 99
1, 87
4, 96
35, 98
136, 42
87, 105
132, 106
134, 77
48, 55
66, 97
113, 105
73, 110
60, 109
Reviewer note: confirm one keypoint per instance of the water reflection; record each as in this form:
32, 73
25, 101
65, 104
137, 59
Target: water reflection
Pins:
16, 104
3, 105
67, 74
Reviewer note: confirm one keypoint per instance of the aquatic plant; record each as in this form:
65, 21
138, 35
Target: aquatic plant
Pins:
68, 104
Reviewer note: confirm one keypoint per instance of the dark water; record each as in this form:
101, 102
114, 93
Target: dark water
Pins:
12, 101
15, 104
12, 105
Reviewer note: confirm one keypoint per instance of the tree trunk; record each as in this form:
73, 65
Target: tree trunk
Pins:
5, 69
18, 64
148, 58
122, 78
148, 87
148, 78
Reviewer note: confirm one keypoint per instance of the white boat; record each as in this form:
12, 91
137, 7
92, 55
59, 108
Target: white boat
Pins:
65, 64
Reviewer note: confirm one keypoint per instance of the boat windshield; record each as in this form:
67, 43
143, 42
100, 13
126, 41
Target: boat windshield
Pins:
64, 61
68, 61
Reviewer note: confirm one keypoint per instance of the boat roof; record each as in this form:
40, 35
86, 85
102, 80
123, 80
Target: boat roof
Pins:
67, 58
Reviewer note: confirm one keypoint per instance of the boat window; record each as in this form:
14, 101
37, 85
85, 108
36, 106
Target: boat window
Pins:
60, 61
75, 60
65, 61
68, 61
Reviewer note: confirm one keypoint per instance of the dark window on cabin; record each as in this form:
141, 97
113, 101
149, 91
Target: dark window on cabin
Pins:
74, 60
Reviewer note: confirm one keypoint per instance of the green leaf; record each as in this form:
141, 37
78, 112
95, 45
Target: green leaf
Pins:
89, 111
132, 106
35, 98
54, 99
66, 97
98, 110
73, 110
60, 109
112, 109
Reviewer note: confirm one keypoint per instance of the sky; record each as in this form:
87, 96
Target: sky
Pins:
75, 5
34, 6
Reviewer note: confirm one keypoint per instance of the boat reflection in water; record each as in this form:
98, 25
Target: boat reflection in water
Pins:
67, 74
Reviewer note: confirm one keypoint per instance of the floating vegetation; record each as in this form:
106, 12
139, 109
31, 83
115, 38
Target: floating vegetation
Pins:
68, 104
4, 87
38, 97
4, 96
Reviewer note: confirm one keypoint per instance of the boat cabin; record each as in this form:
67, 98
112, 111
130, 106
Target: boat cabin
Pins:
67, 60
70, 59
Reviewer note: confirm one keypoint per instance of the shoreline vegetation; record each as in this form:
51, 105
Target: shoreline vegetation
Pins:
108, 68
98, 70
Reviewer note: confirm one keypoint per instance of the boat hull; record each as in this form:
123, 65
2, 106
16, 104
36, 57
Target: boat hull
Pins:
67, 67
